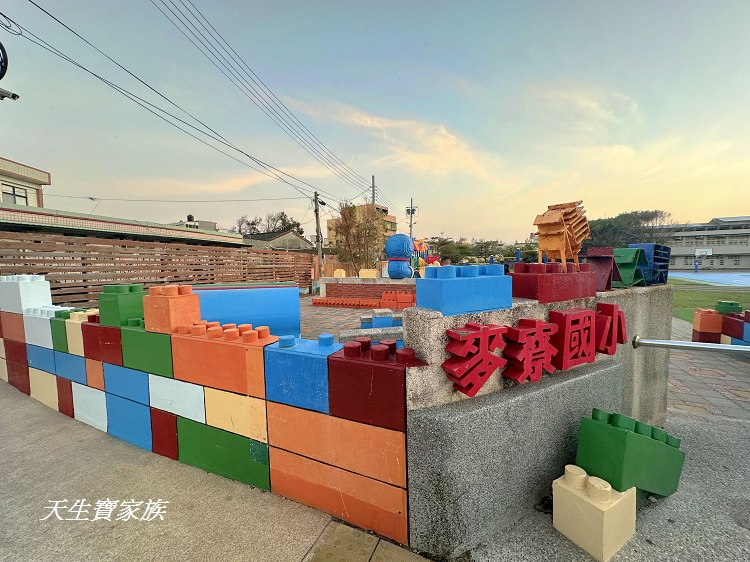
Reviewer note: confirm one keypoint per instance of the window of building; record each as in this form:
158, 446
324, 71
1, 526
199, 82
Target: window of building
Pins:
711, 240
688, 261
738, 240
735, 260
15, 195
721, 260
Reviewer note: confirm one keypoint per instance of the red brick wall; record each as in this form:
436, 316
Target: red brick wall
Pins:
364, 291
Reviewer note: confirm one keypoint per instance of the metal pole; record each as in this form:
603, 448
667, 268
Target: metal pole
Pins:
411, 216
318, 237
373, 190
673, 344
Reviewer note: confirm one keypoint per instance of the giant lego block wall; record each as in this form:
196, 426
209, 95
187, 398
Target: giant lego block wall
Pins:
461, 290
234, 400
727, 324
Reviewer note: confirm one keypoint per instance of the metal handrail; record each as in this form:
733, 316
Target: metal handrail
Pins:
674, 344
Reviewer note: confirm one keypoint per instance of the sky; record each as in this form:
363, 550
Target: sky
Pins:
483, 112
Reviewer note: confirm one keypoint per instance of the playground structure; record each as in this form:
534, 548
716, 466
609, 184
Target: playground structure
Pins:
562, 230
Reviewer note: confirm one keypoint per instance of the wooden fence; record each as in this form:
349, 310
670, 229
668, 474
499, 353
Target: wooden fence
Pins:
77, 266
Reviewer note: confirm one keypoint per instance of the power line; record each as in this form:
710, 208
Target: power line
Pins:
94, 198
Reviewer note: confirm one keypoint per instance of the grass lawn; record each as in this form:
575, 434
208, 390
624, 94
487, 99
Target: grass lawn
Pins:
684, 302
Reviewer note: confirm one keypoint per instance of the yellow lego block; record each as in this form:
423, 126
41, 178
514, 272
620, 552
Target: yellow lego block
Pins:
726, 339
368, 273
43, 387
2, 348
591, 514
339, 273
243, 415
73, 330
3, 370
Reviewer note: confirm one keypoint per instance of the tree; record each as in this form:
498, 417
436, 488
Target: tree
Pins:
360, 233
632, 227
273, 222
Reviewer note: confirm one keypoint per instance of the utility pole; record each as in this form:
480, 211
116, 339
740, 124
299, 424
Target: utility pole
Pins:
410, 211
318, 237
373, 190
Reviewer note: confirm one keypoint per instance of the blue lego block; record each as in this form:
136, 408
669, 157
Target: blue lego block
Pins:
735, 341
41, 358
365, 324
398, 322
656, 270
746, 331
297, 371
126, 383
277, 307
461, 290
71, 367
382, 322
129, 421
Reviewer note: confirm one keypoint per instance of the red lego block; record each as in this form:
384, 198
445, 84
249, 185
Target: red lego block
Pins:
610, 328
473, 360
346, 302
706, 337
546, 282
164, 434
367, 383
65, 396
602, 263
102, 343
747, 316
18, 375
733, 325
15, 351
90, 331
529, 351
168, 306
574, 338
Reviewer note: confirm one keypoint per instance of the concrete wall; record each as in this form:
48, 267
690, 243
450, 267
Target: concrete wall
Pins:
476, 465
355, 287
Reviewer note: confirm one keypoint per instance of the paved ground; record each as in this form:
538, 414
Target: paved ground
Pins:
318, 320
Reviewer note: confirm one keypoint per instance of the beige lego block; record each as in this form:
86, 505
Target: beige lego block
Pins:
239, 414
2, 348
339, 273
3, 370
368, 273
726, 339
74, 332
591, 514
43, 387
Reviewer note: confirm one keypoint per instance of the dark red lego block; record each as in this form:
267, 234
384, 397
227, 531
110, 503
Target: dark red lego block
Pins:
706, 337
473, 360
367, 383
65, 396
733, 325
18, 375
602, 263
102, 343
529, 350
91, 346
546, 282
164, 433
610, 328
15, 351
574, 338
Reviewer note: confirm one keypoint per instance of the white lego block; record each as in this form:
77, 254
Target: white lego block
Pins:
37, 327
24, 291
591, 514
3, 370
44, 388
90, 406
177, 397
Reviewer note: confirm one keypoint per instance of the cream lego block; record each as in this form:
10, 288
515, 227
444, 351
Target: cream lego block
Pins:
23, 291
90, 406
74, 332
2, 348
3, 370
726, 339
591, 514
236, 413
339, 273
177, 397
44, 387
36, 325
368, 273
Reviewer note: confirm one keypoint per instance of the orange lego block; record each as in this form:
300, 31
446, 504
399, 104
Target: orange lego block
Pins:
168, 306
368, 450
706, 320
225, 357
94, 374
12, 326
362, 501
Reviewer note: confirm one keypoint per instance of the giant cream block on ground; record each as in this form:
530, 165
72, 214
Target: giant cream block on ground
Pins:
591, 514
90, 406
44, 387
177, 397
243, 415
18, 292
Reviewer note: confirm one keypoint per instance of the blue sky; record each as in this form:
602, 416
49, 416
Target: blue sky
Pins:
484, 112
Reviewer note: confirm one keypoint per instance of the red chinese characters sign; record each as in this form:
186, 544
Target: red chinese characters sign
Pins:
529, 350
473, 359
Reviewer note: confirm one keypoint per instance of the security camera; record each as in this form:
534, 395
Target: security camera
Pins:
6, 94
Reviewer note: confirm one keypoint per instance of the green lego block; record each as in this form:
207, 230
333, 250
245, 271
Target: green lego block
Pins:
628, 453
223, 453
120, 303
59, 332
630, 263
146, 351
725, 307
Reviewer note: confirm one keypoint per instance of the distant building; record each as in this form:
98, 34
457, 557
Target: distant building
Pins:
390, 225
22, 184
199, 224
280, 240
726, 239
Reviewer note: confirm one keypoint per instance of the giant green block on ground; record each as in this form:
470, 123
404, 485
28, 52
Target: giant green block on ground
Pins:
146, 351
628, 453
120, 303
223, 453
